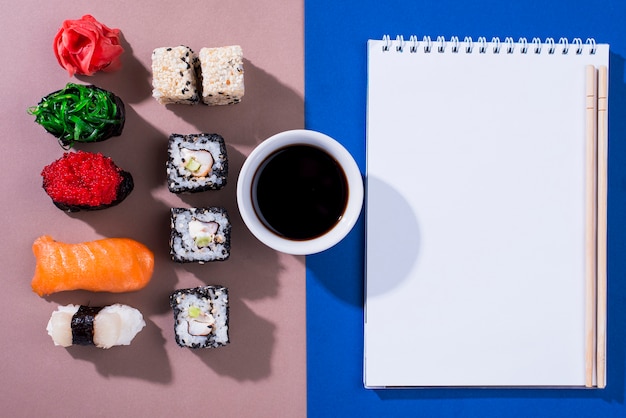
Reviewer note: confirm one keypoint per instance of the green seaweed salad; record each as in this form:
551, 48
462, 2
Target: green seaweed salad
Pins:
80, 113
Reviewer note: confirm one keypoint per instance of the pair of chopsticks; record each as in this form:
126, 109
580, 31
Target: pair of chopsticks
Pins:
596, 234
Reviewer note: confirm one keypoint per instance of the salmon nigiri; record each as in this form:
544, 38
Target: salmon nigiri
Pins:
105, 265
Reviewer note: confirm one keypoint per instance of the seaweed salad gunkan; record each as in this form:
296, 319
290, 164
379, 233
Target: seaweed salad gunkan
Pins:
80, 113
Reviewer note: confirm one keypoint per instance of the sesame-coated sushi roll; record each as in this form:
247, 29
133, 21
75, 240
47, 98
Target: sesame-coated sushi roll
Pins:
103, 327
174, 75
201, 316
199, 235
222, 75
85, 181
196, 163
80, 113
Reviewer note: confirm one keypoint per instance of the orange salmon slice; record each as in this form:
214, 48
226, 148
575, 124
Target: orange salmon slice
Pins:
105, 265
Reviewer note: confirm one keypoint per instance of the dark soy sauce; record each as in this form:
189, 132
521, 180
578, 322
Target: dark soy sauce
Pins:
301, 192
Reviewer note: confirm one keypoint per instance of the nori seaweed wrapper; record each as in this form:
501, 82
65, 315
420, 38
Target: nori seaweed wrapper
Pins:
123, 190
82, 325
192, 254
73, 114
209, 294
82, 180
209, 142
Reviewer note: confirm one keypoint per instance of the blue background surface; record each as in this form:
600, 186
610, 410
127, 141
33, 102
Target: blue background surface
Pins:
335, 92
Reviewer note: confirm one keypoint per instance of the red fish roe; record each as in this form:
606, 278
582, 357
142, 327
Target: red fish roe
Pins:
82, 178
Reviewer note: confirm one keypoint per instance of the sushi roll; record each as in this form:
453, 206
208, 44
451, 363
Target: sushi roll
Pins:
174, 75
196, 163
201, 316
103, 327
85, 181
80, 113
222, 75
199, 235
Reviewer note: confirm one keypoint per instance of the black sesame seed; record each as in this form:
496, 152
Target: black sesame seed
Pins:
168, 49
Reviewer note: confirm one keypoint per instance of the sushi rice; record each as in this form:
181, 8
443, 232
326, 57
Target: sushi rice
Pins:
196, 163
199, 234
201, 316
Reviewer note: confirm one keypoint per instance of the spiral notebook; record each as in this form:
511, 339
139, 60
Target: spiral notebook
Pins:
486, 213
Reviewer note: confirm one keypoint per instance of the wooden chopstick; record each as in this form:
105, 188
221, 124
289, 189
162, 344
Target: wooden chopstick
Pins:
602, 225
591, 129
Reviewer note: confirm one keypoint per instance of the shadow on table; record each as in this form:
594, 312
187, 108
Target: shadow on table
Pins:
248, 355
131, 361
267, 107
132, 82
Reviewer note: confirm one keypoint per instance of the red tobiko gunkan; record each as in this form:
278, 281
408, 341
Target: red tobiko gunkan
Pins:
84, 180
85, 46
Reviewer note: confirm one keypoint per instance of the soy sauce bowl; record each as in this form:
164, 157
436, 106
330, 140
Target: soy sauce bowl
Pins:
305, 229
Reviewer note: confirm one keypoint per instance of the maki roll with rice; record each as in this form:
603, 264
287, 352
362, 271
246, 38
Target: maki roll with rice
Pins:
201, 316
199, 234
85, 181
174, 75
80, 113
103, 327
222, 75
196, 163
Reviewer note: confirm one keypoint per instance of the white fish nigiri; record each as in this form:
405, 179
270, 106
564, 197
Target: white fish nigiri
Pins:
103, 327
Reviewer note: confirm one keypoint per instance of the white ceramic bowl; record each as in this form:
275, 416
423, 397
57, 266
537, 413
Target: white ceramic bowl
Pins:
350, 215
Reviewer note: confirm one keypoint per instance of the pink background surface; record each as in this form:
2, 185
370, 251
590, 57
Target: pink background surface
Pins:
263, 371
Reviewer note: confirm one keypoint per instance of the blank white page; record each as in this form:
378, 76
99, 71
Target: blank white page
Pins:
475, 216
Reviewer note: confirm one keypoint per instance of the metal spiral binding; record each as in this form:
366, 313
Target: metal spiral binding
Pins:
579, 45
508, 46
414, 44
387, 41
470, 44
455, 44
523, 45
482, 48
550, 43
564, 45
496, 45
399, 43
441, 44
427, 44
592, 45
